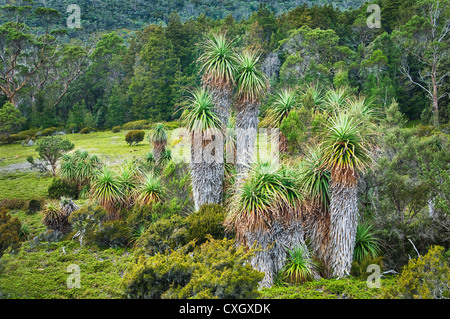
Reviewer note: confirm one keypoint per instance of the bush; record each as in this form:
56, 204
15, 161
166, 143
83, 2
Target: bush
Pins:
55, 219
33, 206
426, 277
116, 129
62, 188
134, 137
85, 130
48, 131
164, 234
216, 269
113, 233
135, 125
9, 232
207, 220
86, 220
13, 203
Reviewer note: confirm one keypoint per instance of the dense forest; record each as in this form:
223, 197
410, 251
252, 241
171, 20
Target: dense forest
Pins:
360, 113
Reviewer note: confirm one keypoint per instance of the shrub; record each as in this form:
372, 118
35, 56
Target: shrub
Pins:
48, 131
116, 129
62, 188
51, 149
13, 203
164, 234
135, 125
86, 220
113, 233
85, 130
216, 269
9, 232
33, 206
426, 277
207, 220
134, 137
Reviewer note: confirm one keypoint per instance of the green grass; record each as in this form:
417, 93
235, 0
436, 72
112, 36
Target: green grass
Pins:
40, 272
110, 147
29, 185
344, 288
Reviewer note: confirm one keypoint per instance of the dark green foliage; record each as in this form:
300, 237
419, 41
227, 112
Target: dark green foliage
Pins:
52, 148
34, 206
207, 220
9, 232
61, 187
13, 203
134, 137
48, 131
366, 245
134, 125
11, 119
216, 269
85, 130
115, 129
164, 234
113, 233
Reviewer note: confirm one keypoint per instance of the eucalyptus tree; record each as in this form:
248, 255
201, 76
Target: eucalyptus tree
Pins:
345, 155
265, 210
206, 134
251, 86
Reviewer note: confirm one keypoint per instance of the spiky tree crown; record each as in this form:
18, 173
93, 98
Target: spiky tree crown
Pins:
251, 81
345, 154
218, 61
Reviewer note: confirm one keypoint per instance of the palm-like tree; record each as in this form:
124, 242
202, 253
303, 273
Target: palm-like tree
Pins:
314, 181
158, 138
151, 190
219, 66
108, 192
207, 170
265, 210
345, 155
252, 85
79, 167
285, 102
312, 97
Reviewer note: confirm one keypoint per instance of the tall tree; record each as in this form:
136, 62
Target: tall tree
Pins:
252, 85
206, 164
219, 67
346, 156
425, 38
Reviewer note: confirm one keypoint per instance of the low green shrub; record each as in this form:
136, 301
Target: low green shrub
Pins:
34, 206
112, 234
9, 232
134, 137
85, 130
426, 277
49, 131
62, 188
164, 234
216, 269
207, 220
13, 203
116, 129
134, 125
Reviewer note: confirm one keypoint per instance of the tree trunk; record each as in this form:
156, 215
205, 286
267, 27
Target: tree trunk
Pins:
435, 97
274, 244
317, 230
246, 132
343, 224
206, 175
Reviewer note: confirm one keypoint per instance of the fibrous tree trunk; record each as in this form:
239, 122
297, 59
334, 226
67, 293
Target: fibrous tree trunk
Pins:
343, 224
246, 132
273, 245
207, 170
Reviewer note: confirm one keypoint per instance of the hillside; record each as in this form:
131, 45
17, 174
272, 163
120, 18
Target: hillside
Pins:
99, 15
